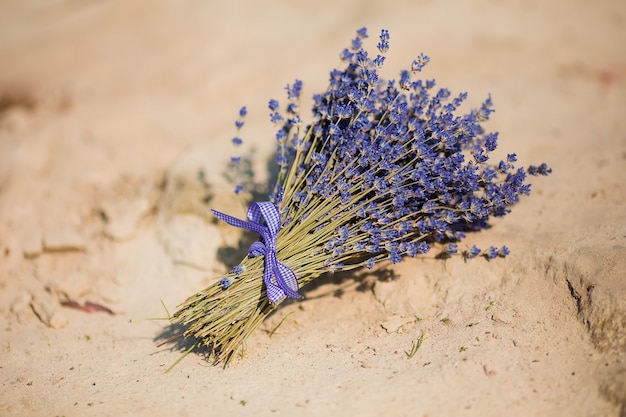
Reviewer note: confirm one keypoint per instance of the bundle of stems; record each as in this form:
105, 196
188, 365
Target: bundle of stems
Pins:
386, 170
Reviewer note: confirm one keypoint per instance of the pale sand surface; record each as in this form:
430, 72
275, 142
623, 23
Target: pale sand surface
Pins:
111, 108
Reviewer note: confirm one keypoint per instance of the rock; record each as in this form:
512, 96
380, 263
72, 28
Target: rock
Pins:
123, 217
63, 240
48, 313
383, 291
32, 245
21, 305
613, 385
190, 241
188, 231
502, 317
394, 323
58, 320
405, 292
595, 279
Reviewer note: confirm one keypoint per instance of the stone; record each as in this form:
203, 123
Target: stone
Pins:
595, 279
32, 245
394, 323
48, 313
62, 240
123, 217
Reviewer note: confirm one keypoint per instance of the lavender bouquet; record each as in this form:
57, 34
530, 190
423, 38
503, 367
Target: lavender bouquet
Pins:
384, 170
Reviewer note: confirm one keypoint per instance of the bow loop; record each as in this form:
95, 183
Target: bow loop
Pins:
256, 249
280, 280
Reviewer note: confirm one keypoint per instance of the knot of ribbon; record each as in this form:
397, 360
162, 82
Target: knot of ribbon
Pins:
280, 280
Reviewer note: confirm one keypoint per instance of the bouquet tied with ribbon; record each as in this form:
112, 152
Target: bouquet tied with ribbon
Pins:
385, 170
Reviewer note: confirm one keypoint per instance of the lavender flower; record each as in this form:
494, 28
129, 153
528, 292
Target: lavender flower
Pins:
384, 170
239, 269
236, 160
492, 252
472, 252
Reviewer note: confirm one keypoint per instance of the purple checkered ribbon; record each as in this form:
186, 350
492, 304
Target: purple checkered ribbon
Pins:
280, 280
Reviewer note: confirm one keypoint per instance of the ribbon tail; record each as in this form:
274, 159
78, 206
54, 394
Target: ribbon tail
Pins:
273, 291
242, 224
280, 280
287, 281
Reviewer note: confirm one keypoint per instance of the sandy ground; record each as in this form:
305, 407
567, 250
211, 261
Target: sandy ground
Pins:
108, 110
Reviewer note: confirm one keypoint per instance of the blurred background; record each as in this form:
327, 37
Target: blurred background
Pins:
108, 109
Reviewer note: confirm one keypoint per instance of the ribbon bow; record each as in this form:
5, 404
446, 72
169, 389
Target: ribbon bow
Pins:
280, 280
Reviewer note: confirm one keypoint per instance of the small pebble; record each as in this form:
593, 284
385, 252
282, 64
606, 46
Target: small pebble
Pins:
32, 246
124, 217
392, 324
48, 314
502, 317
63, 240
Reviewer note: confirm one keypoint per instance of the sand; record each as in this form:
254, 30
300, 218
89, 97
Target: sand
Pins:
108, 112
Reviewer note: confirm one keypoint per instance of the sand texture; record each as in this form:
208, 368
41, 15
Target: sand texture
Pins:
109, 112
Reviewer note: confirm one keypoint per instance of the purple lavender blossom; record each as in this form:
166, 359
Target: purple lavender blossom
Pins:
492, 252
237, 142
472, 252
239, 269
393, 164
385, 169
225, 282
